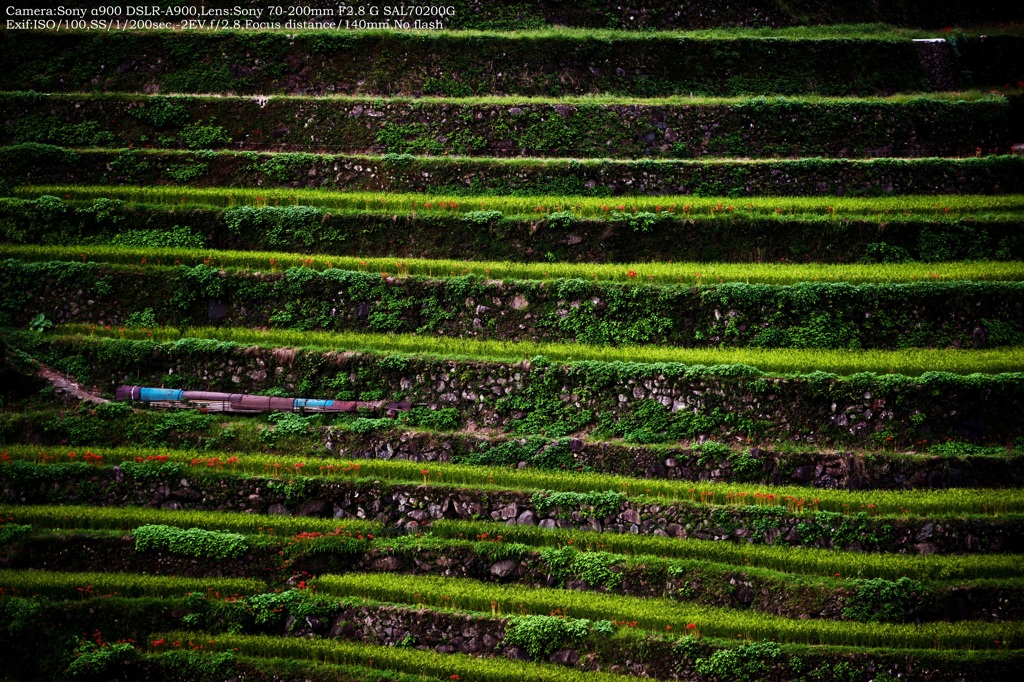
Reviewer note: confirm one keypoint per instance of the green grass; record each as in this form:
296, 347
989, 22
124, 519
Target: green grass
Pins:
590, 98
921, 503
792, 560
61, 585
446, 667
832, 208
445, 533
663, 615
907, 362
658, 273
289, 668
128, 518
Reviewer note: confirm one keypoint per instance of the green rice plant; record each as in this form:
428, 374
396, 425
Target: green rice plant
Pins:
128, 518
603, 491
510, 100
498, 541
907, 362
61, 585
662, 615
792, 560
180, 661
885, 209
405, 660
695, 274
956, 502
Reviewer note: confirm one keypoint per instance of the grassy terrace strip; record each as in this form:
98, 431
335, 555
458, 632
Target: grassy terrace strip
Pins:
925, 503
787, 560
661, 656
544, 229
664, 615
46, 164
887, 208
657, 273
907, 362
924, 466
805, 561
863, 60
945, 124
59, 585
708, 400
441, 666
824, 315
389, 660
694, 581
127, 518
682, 558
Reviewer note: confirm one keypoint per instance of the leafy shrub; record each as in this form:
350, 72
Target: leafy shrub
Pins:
129, 164
270, 608
105, 212
597, 503
20, 612
952, 242
39, 323
444, 419
880, 252
113, 410
482, 217
178, 237
503, 454
399, 160
1004, 333
183, 664
446, 86
283, 226
55, 131
543, 635
745, 467
165, 428
20, 159
199, 136
12, 531
562, 219
194, 542
161, 112
749, 661
370, 424
648, 422
555, 456
593, 568
50, 208
99, 661
289, 424
187, 172
198, 281
957, 448
882, 601
150, 470
410, 138
641, 221
145, 319
333, 545
711, 452
76, 429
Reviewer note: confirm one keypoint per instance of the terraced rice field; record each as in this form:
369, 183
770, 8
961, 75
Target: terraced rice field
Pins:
701, 327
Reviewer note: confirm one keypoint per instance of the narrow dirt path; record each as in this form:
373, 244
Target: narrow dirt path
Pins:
61, 382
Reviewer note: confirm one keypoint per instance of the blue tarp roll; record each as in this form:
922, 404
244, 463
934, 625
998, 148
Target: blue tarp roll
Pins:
153, 394
311, 402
